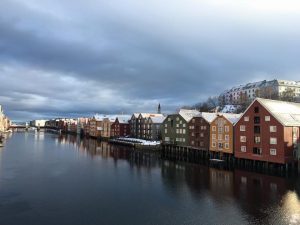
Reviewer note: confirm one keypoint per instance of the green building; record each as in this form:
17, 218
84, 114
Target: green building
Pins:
175, 127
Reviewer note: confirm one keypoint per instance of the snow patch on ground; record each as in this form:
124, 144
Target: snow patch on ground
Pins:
139, 141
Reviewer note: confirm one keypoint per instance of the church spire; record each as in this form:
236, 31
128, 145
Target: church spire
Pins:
159, 109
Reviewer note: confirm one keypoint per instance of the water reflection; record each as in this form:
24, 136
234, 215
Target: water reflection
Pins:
144, 188
259, 198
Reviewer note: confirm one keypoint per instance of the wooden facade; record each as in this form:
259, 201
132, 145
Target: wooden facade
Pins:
222, 133
261, 136
120, 128
199, 133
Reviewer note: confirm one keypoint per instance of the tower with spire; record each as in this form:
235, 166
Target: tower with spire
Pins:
159, 109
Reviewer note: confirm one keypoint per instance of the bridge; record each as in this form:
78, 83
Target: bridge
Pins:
18, 127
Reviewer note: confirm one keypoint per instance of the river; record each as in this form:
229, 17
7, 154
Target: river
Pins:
50, 179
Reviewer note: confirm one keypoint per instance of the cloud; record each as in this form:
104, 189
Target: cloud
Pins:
74, 58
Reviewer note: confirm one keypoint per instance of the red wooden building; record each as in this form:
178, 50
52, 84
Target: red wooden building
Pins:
268, 131
121, 127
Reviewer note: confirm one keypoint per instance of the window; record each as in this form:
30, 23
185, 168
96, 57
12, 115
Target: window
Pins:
169, 119
213, 144
180, 131
213, 136
256, 119
201, 135
177, 125
256, 110
184, 125
272, 151
166, 125
243, 149
226, 137
183, 131
273, 128
267, 118
257, 129
243, 138
257, 151
242, 128
177, 131
201, 143
193, 142
220, 145
180, 122
257, 140
220, 137
246, 118
167, 139
226, 128
226, 145
193, 120
213, 128
193, 134
172, 123
273, 141
177, 119
166, 131
183, 139
220, 130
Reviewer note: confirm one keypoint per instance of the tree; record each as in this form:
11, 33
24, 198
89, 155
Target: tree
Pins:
288, 95
222, 101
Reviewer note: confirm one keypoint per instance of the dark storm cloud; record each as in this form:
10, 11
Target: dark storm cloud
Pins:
73, 58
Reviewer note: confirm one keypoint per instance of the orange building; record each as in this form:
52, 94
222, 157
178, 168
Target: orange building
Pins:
95, 128
222, 134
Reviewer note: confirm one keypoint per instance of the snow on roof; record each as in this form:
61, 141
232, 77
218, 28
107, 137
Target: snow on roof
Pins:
232, 117
136, 115
146, 115
287, 113
209, 117
124, 118
188, 114
158, 119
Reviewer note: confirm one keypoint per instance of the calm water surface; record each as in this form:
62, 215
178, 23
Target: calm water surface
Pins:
47, 179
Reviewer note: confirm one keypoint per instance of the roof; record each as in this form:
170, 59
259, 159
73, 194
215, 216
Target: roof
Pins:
209, 117
146, 115
287, 113
124, 118
188, 114
232, 117
158, 119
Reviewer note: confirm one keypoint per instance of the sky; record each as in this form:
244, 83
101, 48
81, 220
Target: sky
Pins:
66, 58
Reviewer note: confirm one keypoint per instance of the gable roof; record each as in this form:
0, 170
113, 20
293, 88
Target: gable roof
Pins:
158, 119
188, 114
209, 117
146, 115
124, 119
232, 117
287, 113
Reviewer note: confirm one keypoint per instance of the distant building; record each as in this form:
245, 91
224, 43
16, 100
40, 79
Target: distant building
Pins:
107, 123
4, 121
140, 124
121, 128
273, 89
38, 123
